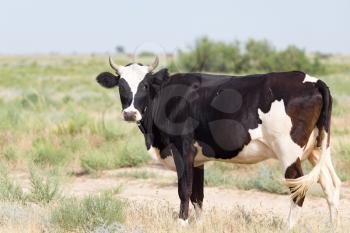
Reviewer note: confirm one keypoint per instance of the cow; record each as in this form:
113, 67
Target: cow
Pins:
188, 119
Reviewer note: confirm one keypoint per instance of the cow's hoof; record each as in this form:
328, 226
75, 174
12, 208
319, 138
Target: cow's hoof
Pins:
182, 222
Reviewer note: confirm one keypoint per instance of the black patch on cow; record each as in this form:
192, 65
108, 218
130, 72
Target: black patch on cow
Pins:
107, 79
140, 64
224, 132
222, 109
295, 171
227, 101
125, 93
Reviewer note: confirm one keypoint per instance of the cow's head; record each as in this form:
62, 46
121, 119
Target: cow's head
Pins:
133, 87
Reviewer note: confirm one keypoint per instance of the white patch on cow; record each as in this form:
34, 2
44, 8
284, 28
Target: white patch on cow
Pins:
131, 108
168, 162
182, 222
310, 79
254, 152
276, 127
294, 215
154, 153
255, 133
133, 75
198, 210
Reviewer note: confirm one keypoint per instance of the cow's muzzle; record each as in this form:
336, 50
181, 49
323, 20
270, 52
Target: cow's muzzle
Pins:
130, 115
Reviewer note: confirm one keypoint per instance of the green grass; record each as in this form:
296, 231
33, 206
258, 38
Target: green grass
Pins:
111, 157
43, 189
9, 189
268, 178
9, 154
45, 153
87, 214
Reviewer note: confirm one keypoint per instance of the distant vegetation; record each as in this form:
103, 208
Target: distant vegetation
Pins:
250, 57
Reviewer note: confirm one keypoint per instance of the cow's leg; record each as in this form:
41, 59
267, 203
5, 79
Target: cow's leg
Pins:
294, 171
184, 154
197, 189
330, 183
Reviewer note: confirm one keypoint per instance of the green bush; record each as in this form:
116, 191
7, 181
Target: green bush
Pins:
256, 56
43, 189
9, 153
9, 190
45, 153
87, 214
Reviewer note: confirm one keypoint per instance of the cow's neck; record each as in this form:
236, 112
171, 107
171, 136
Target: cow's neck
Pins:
146, 125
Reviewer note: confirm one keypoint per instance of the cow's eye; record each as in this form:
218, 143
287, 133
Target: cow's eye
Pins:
145, 87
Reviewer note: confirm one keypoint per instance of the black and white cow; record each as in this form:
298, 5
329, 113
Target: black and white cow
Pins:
191, 118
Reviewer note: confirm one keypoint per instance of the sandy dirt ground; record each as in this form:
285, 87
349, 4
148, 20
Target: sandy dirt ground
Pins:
162, 189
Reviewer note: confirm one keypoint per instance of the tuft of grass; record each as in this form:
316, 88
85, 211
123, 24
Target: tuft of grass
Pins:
9, 154
109, 158
342, 159
132, 154
9, 190
43, 189
98, 160
268, 179
73, 126
88, 214
45, 153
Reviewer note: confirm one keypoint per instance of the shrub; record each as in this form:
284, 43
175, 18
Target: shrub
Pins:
256, 56
45, 153
9, 190
9, 154
43, 190
88, 214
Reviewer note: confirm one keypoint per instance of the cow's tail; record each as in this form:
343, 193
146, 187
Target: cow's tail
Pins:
300, 186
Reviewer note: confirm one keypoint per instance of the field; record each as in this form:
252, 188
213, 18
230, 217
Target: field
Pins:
70, 164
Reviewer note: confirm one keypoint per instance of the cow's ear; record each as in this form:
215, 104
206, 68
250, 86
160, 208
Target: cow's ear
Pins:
161, 76
107, 80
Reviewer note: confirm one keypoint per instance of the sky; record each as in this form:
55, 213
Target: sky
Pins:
86, 26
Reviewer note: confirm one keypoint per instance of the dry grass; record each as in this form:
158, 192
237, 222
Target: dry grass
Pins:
154, 217
161, 218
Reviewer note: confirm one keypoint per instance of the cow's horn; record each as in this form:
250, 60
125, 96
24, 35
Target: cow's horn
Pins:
113, 65
154, 64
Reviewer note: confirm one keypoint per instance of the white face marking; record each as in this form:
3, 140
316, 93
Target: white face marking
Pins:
310, 79
133, 75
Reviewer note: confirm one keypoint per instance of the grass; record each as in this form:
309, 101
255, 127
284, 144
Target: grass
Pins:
45, 153
53, 115
129, 155
268, 178
10, 191
43, 189
160, 218
87, 214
